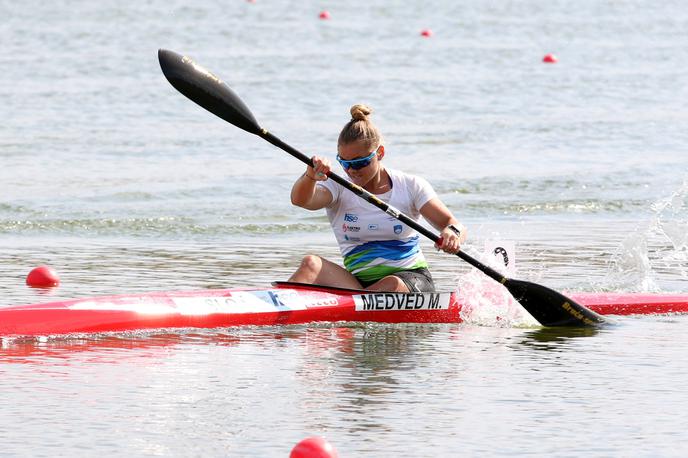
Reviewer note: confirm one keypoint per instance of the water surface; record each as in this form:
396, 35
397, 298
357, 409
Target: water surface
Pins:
123, 185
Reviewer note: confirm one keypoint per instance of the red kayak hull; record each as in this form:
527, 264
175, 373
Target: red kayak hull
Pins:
281, 305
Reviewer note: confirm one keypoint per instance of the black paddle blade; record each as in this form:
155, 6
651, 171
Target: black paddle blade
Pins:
551, 308
207, 90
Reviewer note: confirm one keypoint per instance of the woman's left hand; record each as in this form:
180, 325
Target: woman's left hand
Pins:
450, 241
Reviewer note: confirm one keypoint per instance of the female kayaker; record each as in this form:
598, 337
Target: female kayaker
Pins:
380, 252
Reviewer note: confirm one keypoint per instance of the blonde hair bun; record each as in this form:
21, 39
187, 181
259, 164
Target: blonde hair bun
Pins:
360, 128
360, 112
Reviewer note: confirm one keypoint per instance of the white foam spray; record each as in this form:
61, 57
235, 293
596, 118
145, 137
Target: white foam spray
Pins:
659, 245
486, 302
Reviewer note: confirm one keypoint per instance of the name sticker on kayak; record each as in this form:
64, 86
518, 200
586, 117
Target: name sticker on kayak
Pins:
379, 302
269, 301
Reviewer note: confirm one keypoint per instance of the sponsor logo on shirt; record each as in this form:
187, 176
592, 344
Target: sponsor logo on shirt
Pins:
397, 228
373, 227
350, 217
346, 227
352, 239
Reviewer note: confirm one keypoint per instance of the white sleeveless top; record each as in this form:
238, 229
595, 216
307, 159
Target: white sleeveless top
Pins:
373, 243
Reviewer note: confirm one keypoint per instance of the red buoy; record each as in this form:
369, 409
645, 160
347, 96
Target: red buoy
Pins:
42, 277
313, 447
427, 33
324, 15
550, 59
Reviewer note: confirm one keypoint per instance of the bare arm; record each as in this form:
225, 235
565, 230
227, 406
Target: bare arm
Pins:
440, 217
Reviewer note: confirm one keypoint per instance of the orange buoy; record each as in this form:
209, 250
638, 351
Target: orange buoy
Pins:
324, 15
550, 59
313, 447
42, 277
427, 33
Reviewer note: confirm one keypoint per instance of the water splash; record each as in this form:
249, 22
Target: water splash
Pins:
672, 220
659, 247
487, 303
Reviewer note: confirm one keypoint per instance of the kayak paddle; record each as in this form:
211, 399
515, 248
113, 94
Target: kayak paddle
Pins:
547, 306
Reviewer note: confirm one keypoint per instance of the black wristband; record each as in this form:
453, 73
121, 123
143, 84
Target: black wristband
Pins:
456, 230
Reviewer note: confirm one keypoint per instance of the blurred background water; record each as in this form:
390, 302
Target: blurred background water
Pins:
123, 185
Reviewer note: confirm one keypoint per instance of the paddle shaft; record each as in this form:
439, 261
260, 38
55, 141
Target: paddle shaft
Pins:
546, 305
371, 198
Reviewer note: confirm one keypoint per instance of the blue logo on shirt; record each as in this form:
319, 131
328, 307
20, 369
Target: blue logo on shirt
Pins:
350, 217
398, 228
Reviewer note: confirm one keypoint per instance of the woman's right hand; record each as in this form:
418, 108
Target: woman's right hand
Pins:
321, 167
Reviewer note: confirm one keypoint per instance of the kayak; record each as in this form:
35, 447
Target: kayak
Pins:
282, 304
